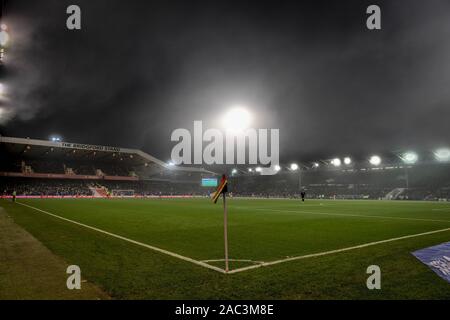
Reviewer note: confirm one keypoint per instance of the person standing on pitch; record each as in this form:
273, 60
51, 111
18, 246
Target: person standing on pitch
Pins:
14, 196
303, 195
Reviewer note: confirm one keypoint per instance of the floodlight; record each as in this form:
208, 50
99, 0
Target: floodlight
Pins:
237, 119
347, 160
409, 157
277, 168
55, 139
442, 154
258, 169
234, 171
294, 167
316, 165
4, 38
250, 170
336, 162
375, 160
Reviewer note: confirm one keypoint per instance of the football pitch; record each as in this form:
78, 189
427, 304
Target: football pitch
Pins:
279, 249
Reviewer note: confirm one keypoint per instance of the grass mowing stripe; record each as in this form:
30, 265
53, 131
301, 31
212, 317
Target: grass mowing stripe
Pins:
265, 264
345, 214
176, 255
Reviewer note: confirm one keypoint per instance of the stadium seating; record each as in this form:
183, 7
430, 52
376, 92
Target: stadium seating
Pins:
39, 169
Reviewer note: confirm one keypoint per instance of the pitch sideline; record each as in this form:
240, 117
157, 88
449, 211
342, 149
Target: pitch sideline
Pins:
169, 253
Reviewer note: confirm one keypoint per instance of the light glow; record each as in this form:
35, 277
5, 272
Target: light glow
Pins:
294, 167
336, 162
442, 154
375, 160
347, 160
410, 157
4, 38
237, 119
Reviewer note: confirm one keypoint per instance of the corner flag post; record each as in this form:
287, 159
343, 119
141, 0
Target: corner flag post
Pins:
223, 189
225, 227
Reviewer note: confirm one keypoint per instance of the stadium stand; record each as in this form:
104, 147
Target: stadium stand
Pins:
429, 181
46, 168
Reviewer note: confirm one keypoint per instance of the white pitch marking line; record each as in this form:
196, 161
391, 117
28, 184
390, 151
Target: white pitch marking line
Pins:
172, 254
344, 214
236, 260
265, 264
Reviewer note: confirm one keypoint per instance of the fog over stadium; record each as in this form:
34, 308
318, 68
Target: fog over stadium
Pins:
134, 73
218, 157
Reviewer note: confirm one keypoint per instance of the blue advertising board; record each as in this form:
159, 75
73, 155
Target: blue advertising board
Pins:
437, 258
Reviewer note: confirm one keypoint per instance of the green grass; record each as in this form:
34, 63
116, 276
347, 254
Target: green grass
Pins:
259, 230
28, 270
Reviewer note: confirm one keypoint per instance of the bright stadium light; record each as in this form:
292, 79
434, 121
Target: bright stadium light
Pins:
347, 160
294, 167
237, 119
55, 139
336, 162
316, 165
250, 170
258, 169
170, 164
234, 171
409, 157
442, 155
277, 168
4, 36
375, 160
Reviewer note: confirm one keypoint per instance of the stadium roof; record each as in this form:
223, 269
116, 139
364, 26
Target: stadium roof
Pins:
40, 148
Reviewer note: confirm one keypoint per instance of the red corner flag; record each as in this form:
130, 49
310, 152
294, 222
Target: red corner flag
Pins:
223, 188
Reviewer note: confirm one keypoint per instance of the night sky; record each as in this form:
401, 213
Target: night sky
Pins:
140, 69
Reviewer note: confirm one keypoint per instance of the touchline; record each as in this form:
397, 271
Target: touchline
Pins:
229, 147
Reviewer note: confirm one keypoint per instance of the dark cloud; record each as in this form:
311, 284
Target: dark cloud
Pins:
139, 69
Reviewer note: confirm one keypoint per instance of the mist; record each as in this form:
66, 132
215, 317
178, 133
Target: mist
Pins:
139, 70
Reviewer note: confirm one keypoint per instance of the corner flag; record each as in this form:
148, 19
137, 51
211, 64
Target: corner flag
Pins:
222, 189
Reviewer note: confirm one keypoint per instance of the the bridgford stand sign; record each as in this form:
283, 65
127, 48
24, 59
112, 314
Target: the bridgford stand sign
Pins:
89, 147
